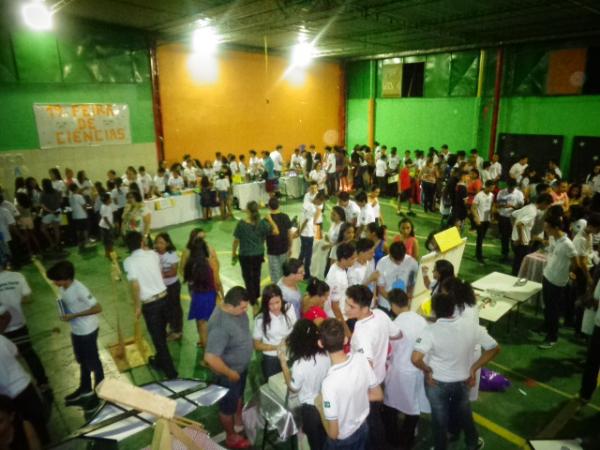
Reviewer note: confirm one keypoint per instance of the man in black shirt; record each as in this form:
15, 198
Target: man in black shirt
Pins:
278, 247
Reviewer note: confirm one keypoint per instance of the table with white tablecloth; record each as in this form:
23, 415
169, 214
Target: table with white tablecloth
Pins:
174, 210
292, 186
532, 266
246, 192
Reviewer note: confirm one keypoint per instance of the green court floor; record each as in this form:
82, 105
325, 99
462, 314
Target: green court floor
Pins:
543, 382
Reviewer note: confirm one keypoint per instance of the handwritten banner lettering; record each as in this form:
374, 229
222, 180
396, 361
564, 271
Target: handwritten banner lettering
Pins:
82, 124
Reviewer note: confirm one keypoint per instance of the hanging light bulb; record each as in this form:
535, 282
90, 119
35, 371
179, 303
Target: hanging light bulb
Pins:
37, 16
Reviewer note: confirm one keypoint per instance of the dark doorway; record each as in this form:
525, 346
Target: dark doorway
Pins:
537, 147
585, 155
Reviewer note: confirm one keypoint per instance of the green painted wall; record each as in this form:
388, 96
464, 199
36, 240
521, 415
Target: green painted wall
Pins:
357, 128
81, 63
568, 116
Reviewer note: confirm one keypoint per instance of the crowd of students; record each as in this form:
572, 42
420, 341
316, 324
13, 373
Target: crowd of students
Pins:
350, 346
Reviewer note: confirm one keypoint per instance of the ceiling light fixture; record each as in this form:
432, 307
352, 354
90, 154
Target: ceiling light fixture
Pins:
302, 54
205, 39
37, 15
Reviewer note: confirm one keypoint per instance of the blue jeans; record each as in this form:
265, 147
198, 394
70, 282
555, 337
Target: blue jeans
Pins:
306, 248
356, 441
451, 400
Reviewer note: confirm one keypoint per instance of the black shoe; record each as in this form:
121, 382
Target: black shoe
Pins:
154, 363
77, 395
480, 443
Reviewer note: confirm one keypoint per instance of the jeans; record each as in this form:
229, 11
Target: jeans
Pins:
481, 231
520, 251
398, 435
276, 263
251, 268
505, 230
174, 311
85, 348
356, 441
313, 427
306, 248
428, 195
229, 403
552, 295
592, 364
376, 429
155, 315
270, 366
20, 337
451, 400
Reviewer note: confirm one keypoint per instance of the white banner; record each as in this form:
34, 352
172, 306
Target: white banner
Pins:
82, 124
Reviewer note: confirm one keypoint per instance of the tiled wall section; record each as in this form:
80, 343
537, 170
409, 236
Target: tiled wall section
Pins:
96, 161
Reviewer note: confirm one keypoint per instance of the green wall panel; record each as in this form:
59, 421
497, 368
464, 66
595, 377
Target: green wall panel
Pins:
8, 71
37, 58
437, 75
17, 102
464, 72
422, 123
525, 71
357, 129
567, 116
358, 79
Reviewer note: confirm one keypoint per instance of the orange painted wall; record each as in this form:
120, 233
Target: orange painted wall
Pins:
247, 107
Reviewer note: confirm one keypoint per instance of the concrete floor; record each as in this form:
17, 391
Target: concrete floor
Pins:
542, 381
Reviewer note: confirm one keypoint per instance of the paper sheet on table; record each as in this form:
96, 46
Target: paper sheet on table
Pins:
448, 239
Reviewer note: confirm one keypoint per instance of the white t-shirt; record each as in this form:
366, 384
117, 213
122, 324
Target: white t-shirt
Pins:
352, 211
309, 211
393, 163
308, 375
159, 183
359, 273
331, 163
526, 215
119, 197
337, 279
495, 170
145, 182
333, 234
558, 266
371, 337
143, 266
176, 183
509, 201
217, 165
366, 215
106, 215
404, 384
75, 299
483, 203
583, 245
345, 392
449, 344
319, 177
390, 272
380, 168
516, 171
167, 261
234, 167
189, 174
291, 296
277, 331
222, 184
6, 220
242, 168
13, 378
13, 287
77, 204
277, 160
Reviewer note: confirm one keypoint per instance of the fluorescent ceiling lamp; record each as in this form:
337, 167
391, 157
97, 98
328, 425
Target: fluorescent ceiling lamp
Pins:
205, 40
37, 16
302, 54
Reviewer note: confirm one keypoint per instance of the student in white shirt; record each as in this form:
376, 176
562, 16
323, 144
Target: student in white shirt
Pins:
332, 237
272, 327
346, 391
517, 169
277, 160
507, 200
371, 337
107, 224
395, 270
381, 166
242, 167
169, 264
366, 214
310, 365
393, 161
496, 167
14, 291
223, 187
363, 270
149, 295
79, 215
145, 180
481, 209
80, 309
175, 183
337, 279
448, 346
404, 383
330, 167
351, 209
256, 166
16, 384
561, 257
218, 163
293, 274
158, 183
319, 176
524, 220
310, 216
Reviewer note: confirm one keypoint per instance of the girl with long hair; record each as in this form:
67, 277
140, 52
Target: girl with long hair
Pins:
313, 304
169, 262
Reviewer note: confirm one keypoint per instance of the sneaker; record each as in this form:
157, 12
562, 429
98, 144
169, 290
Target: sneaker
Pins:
547, 345
77, 395
174, 337
480, 443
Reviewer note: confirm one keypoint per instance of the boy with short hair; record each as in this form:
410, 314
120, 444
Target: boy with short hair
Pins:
346, 391
337, 279
482, 213
350, 207
366, 214
80, 308
79, 215
311, 213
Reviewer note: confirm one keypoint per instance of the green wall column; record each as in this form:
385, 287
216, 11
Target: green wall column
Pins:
372, 92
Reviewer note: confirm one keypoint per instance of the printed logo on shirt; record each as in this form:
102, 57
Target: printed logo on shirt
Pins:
326, 405
418, 340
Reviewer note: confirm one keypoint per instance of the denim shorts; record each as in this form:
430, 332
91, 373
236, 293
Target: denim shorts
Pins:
228, 404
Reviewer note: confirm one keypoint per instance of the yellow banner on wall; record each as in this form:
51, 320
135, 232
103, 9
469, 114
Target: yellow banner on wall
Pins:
82, 124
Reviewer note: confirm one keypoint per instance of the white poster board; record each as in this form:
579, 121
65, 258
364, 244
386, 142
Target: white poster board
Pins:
82, 124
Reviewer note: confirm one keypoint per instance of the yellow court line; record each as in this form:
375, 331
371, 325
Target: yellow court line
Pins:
501, 431
544, 385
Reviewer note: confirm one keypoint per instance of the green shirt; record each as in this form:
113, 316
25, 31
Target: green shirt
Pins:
252, 237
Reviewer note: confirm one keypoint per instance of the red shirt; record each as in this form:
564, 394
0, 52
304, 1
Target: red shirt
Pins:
404, 179
315, 312
472, 189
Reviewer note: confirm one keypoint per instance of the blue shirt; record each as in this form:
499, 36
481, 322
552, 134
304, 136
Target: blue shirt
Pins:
270, 168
